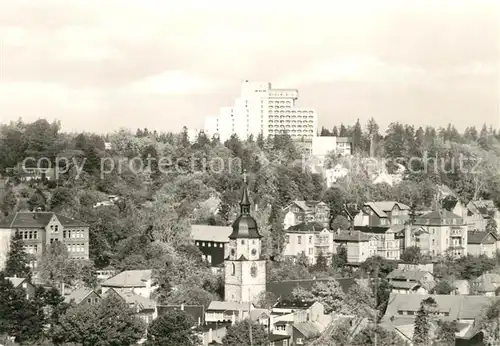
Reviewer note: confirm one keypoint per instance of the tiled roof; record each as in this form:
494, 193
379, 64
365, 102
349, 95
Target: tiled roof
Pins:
483, 207
218, 234
131, 298
306, 206
351, 236
78, 295
414, 275
38, 220
255, 314
488, 282
457, 306
232, 306
129, 278
381, 207
306, 227
16, 282
376, 209
197, 312
480, 237
284, 289
278, 337
308, 329
439, 215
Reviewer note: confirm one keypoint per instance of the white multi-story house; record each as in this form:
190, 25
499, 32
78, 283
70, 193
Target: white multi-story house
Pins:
306, 211
312, 239
260, 109
440, 232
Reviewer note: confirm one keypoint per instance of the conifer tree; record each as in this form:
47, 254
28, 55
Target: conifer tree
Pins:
17, 259
421, 333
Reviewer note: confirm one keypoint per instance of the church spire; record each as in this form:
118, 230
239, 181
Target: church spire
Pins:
245, 200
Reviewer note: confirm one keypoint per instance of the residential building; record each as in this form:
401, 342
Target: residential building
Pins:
225, 311
476, 214
482, 243
260, 109
479, 212
382, 213
462, 287
279, 340
40, 229
245, 267
312, 239
332, 175
104, 274
464, 309
322, 146
438, 233
359, 246
83, 296
390, 240
411, 281
144, 308
306, 211
23, 283
139, 282
212, 242
487, 284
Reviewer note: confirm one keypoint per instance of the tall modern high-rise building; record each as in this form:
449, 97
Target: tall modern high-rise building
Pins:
262, 109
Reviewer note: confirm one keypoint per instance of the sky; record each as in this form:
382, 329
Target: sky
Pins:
103, 65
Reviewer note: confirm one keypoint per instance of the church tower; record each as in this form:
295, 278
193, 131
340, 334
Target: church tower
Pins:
245, 268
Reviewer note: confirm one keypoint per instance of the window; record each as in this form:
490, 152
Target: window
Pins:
310, 251
299, 239
299, 341
202, 244
233, 269
242, 241
209, 244
287, 239
310, 240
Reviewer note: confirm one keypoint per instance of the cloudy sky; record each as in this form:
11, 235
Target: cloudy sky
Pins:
102, 65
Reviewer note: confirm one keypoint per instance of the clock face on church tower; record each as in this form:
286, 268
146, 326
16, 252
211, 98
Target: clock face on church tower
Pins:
254, 252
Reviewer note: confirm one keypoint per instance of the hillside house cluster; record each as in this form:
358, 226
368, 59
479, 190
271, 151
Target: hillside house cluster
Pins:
39, 229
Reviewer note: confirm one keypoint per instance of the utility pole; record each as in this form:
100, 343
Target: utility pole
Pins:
249, 319
376, 308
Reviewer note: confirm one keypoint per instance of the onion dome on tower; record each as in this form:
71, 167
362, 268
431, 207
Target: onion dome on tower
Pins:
245, 226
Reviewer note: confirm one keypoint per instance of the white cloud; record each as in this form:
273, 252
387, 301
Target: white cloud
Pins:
172, 82
360, 69
476, 68
37, 93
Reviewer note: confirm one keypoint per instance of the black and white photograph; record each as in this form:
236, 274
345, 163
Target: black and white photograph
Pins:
249, 173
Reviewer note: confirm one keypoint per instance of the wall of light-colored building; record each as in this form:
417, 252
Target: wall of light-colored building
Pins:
489, 250
5, 236
439, 239
261, 109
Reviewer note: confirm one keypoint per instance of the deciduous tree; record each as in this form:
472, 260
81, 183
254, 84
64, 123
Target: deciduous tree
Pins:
239, 334
172, 328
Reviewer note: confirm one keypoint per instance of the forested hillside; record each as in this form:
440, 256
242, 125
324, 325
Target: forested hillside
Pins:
149, 226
